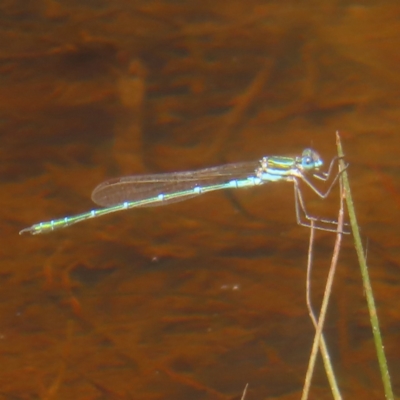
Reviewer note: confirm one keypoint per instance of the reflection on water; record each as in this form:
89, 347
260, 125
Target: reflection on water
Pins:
196, 299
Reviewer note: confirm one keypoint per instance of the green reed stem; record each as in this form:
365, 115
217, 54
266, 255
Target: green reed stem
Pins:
365, 277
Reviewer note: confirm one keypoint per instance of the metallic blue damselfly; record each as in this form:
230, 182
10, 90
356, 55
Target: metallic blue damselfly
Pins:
161, 189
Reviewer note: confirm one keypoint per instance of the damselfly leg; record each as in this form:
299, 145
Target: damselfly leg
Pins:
300, 208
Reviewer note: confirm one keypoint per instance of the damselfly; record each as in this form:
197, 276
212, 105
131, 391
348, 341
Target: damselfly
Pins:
161, 189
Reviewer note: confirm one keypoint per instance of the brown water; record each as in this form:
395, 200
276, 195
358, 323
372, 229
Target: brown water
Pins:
193, 300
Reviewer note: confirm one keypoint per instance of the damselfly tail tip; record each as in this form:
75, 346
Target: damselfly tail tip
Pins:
27, 230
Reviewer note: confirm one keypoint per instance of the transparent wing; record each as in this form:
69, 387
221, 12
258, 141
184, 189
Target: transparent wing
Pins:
142, 187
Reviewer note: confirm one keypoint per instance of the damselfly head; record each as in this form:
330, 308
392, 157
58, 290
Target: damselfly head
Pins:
310, 160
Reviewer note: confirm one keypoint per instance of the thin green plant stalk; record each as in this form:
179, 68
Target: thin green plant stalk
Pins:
325, 301
322, 346
365, 277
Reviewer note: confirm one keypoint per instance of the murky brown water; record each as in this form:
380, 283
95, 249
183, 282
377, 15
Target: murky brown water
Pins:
193, 300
